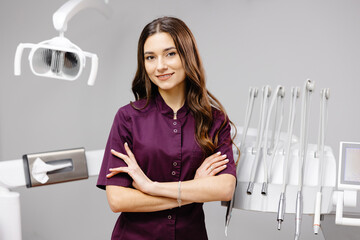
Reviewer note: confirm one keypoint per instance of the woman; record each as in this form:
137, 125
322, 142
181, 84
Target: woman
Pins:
170, 150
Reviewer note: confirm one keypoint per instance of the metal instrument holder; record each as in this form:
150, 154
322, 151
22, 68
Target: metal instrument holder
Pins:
311, 167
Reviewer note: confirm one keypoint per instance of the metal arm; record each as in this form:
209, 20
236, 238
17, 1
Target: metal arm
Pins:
72, 7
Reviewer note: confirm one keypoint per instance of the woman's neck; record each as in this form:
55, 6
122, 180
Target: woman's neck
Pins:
174, 100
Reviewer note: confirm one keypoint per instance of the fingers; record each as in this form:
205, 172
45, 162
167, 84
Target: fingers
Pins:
127, 159
210, 160
128, 151
212, 165
211, 157
219, 163
217, 167
215, 158
114, 171
120, 155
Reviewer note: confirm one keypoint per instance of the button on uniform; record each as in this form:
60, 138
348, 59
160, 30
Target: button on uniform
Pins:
174, 164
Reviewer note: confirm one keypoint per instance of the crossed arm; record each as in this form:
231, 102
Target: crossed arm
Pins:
149, 196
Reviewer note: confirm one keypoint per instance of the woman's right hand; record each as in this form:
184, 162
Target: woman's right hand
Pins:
140, 180
212, 165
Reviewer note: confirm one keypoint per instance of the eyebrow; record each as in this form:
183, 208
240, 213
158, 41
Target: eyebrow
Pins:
165, 50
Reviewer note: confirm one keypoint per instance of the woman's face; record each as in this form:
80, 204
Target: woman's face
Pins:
163, 64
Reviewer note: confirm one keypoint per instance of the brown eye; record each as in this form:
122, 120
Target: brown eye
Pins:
170, 54
149, 58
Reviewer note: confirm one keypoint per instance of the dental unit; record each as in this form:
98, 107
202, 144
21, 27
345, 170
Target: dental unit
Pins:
301, 176
58, 57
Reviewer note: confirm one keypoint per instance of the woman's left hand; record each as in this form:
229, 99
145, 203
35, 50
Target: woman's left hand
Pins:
212, 165
140, 180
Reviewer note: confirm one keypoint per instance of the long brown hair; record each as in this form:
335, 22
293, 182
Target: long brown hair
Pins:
198, 98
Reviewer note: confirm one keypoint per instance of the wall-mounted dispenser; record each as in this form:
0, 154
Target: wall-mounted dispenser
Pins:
54, 167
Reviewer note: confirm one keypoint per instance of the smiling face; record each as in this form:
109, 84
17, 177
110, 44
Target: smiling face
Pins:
163, 64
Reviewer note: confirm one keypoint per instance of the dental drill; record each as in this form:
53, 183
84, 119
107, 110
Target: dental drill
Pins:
308, 89
281, 207
277, 98
275, 139
320, 153
263, 112
249, 110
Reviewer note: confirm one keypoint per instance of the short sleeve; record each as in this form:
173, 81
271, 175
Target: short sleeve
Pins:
225, 147
119, 134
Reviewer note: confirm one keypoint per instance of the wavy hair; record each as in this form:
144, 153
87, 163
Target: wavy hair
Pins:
198, 98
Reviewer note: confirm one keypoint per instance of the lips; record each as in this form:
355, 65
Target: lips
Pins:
164, 77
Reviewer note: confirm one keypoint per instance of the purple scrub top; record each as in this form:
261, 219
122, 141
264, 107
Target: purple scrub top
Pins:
166, 150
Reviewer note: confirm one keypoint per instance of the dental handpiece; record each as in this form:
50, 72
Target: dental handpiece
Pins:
281, 210
228, 214
298, 215
317, 213
264, 188
250, 188
226, 226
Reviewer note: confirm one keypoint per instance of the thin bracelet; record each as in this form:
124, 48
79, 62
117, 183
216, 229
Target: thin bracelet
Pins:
179, 194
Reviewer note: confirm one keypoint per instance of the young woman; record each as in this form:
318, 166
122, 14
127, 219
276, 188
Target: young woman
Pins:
170, 150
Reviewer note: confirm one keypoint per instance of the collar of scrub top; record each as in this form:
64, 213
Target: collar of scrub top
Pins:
167, 111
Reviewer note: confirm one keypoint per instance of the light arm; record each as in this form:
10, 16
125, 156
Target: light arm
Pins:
72, 7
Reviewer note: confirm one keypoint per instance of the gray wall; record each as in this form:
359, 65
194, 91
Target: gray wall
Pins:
242, 43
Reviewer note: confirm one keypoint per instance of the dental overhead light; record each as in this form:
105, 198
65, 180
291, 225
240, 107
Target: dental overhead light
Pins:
59, 57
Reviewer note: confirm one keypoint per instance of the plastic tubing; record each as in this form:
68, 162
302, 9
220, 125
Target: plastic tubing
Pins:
321, 144
263, 108
292, 113
279, 94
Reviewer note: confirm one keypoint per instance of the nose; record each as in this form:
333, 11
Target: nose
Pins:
161, 64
